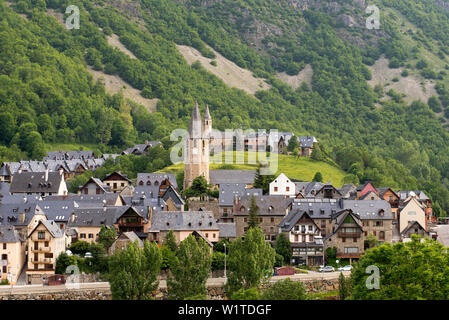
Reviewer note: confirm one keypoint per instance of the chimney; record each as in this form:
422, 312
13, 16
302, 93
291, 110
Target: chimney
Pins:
73, 217
22, 217
46, 175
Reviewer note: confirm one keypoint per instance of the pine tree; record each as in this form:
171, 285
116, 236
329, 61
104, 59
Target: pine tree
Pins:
253, 219
170, 241
283, 248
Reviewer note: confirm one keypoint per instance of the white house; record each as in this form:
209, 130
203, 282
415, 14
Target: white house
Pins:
282, 186
411, 212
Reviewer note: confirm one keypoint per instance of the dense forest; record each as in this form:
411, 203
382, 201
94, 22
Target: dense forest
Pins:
47, 95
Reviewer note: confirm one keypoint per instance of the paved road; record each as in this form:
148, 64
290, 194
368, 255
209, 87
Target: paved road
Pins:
26, 289
443, 234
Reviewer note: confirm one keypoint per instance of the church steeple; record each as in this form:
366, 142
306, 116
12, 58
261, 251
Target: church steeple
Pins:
195, 127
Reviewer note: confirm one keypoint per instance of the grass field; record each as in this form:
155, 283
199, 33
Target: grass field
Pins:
301, 169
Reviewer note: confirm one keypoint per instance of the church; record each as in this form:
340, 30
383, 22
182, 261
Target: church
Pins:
196, 151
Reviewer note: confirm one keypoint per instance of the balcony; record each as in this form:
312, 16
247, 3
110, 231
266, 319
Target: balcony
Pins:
343, 234
41, 249
36, 238
42, 261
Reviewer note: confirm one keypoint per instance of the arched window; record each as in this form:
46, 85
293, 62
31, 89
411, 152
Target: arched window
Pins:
156, 183
242, 209
148, 183
140, 183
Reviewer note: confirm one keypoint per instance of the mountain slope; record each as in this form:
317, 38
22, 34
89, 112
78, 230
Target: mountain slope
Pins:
373, 134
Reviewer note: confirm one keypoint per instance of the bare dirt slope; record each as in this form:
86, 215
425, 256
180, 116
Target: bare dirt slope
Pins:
226, 70
305, 75
114, 84
114, 41
410, 86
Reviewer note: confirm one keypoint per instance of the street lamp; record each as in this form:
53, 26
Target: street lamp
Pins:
225, 260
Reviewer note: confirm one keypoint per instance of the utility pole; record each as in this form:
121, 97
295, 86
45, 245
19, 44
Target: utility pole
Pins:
225, 261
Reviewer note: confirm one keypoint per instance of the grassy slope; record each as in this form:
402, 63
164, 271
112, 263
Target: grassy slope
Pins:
302, 169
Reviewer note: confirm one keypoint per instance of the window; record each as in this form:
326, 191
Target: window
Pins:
351, 250
86, 191
272, 219
46, 244
354, 239
214, 235
303, 238
381, 235
296, 228
310, 228
390, 198
379, 223
91, 235
287, 189
4, 246
49, 255
296, 238
98, 191
311, 238
245, 219
122, 184
207, 235
412, 213
276, 189
4, 257
343, 239
82, 236
4, 269
41, 235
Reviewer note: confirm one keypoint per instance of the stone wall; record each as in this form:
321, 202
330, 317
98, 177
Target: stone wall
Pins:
213, 292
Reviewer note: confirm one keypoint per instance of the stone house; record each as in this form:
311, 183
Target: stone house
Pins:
12, 254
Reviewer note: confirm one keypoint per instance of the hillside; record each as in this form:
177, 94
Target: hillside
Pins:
48, 95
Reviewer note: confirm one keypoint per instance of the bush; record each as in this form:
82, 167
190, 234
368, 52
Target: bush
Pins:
218, 259
248, 294
214, 63
286, 290
404, 73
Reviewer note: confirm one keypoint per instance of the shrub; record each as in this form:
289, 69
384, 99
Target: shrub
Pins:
286, 290
248, 294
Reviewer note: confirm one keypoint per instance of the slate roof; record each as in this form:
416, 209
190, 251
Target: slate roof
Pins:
268, 205
52, 227
20, 198
307, 141
227, 230
106, 156
35, 182
131, 236
325, 208
141, 148
232, 176
99, 183
58, 210
153, 177
95, 217
10, 213
228, 191
89, 201
420, 195
69, 155
122, 176
306, 188
291, 220
183, 220
410, 225
4, 188
348, 190
9, 234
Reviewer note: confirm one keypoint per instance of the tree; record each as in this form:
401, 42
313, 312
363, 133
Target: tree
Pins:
220, 245
253, 218
262, 181
292, 144
372, 241
286, 290
63, 261
318, 154
247, 294
170, 241
199, 188
318, 177
133, 271
344, 287
249, 261
283, 248
107, 236
189, 269
406, 271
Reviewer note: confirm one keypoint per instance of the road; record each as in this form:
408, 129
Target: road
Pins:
443, 234
211, 282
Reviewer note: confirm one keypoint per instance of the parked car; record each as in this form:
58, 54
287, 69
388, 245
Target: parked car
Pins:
326, 269
345, 268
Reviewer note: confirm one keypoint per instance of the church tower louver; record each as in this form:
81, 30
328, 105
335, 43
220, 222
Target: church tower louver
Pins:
196, 151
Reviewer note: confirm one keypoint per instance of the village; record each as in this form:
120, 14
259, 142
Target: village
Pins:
40, 219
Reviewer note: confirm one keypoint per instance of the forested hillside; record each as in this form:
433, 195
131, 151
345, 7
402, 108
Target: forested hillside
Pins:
47, 93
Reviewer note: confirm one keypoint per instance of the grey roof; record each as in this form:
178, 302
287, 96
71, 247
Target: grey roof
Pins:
52, 227
307, 141
141, 148
95, 217
153, 177
20, 198
420, 195
325, 208
91, 201
4, 188
268, 205
227, 230
232, 176
228, 191
348, 190
35, 182
369, 209
308, 189
99, 183
291, 219
10, 213
9, 234
173, 194
131, 236
410, 224
106, 156
183, 220
58, 210
69, 155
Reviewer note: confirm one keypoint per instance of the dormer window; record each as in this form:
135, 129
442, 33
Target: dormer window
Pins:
148, 183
